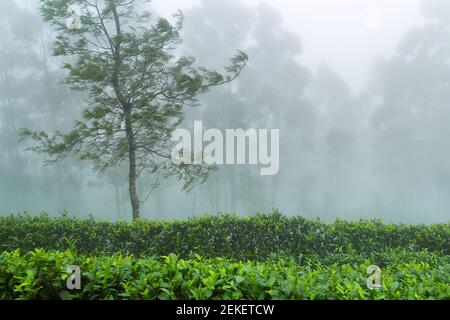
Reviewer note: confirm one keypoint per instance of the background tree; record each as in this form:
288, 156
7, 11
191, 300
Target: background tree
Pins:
31, 97
411, 119
137, 88
271, 94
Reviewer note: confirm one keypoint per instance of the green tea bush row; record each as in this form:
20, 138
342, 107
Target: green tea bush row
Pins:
43, 275
242, 238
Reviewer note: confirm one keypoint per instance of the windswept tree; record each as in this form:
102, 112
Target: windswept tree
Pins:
137, 87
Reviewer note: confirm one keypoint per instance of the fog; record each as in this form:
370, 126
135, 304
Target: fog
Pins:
348, 34
360, 91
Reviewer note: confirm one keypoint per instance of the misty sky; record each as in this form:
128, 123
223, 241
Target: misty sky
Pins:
382, 151
344, 33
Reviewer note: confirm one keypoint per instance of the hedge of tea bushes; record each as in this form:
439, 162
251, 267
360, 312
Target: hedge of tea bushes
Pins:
43, 275
258, 237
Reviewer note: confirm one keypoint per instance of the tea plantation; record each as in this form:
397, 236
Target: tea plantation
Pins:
222, 257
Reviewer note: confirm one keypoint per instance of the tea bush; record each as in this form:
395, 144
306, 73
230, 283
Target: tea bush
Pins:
42, 275
258, 237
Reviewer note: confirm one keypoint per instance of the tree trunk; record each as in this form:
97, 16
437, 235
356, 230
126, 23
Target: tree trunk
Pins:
159, 204
117, 200
132, 177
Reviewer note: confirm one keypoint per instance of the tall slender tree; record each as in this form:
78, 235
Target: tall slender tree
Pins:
137, 87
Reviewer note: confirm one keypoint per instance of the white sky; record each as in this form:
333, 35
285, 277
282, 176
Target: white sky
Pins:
347, 34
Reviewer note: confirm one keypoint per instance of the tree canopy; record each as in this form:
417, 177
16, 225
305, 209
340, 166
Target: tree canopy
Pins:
137, 87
